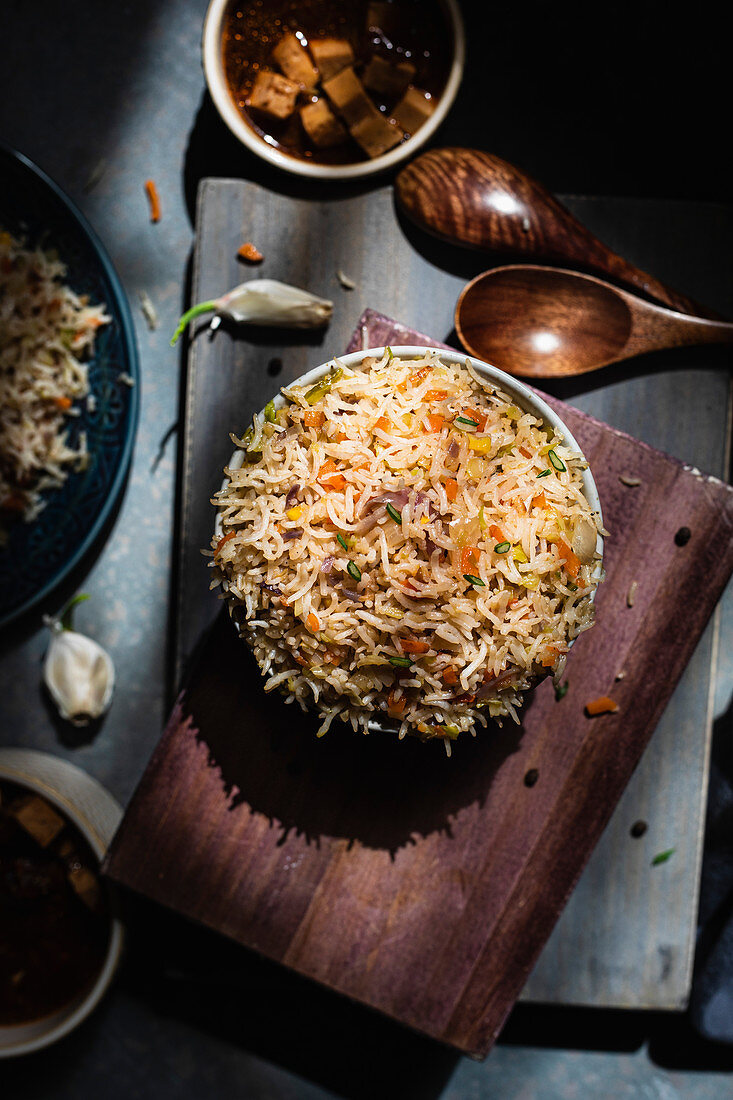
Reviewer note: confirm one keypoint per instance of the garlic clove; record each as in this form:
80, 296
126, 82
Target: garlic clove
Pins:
79, 675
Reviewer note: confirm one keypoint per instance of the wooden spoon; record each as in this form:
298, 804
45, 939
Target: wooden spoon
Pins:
543, 322
476, 199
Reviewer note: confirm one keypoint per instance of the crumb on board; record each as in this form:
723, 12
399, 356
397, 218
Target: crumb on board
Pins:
620, 675
632, 482
631, 594
148, 310
250, 253
126, 379
346, 282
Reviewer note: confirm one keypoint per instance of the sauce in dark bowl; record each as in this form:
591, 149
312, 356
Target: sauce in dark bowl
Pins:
412, 33
54, 912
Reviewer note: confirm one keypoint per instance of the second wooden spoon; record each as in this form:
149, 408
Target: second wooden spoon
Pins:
542, 322
474, 198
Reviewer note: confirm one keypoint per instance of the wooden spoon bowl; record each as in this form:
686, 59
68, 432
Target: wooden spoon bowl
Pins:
543, 322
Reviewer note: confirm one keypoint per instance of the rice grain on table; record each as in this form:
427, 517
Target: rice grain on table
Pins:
407, 477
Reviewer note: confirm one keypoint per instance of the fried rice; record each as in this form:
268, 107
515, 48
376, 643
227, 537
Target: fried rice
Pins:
401, 543
47, 331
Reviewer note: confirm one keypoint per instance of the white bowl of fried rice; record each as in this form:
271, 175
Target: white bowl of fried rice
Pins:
408, 539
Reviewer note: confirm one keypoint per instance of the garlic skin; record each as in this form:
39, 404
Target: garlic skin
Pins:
263, 302
269, 302
79, 675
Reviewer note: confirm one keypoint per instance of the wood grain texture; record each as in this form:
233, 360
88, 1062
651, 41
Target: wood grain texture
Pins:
545, 322
626, 936
482, 201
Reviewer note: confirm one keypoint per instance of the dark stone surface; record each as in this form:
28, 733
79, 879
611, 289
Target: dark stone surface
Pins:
612, 101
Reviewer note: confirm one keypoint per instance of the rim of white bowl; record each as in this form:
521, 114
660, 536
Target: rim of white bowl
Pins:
219, 91
51, 776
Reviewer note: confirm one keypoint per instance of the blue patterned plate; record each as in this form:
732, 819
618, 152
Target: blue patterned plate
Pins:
39, 555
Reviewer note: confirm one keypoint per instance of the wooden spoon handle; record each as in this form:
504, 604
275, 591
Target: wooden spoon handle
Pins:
477, 199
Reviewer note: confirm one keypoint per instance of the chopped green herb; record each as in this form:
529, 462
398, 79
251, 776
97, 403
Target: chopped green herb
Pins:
394, 513
451, 731
270, 413
662, 857
474, 580
323, 387
561, 691
340, 538
482, 519
400, 662
353, 570
572, 587
465, 420
544, 473
390, 353
65, 618
556, 462
502, 547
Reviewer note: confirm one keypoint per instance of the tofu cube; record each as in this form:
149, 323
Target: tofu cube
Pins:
273, 94
347, 94
387, 79
295, 62
375, 134
413, 109
39, 820
331, 55
85, 885
321, 124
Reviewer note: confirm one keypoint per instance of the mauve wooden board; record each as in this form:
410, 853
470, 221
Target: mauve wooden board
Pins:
369, 866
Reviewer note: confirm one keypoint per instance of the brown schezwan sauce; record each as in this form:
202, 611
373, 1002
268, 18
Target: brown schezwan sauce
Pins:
416, 31
54, 917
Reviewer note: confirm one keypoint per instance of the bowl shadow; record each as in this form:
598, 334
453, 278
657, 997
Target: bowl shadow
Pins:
377, 790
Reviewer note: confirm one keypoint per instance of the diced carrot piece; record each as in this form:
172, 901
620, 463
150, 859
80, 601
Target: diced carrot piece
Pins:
62, 402
312, 623
221, 542
328, 467
402, 387
300, 659
436, 421
601, 705
414, 645
329, 476
469, 558
154, 199
479, 418
419, 375
572, 563
451, 488
497, 533
313, 418
435, 395
247, 251
549, 656
384, 424
337, 482
340, 437
450, 676
525, 452
396, 706
540, 501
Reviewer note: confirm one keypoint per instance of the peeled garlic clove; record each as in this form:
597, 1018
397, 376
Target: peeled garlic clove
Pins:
584, 540
79, 675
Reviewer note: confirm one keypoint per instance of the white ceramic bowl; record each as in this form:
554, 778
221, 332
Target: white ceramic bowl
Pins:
521, 395
96, 815
214, 72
